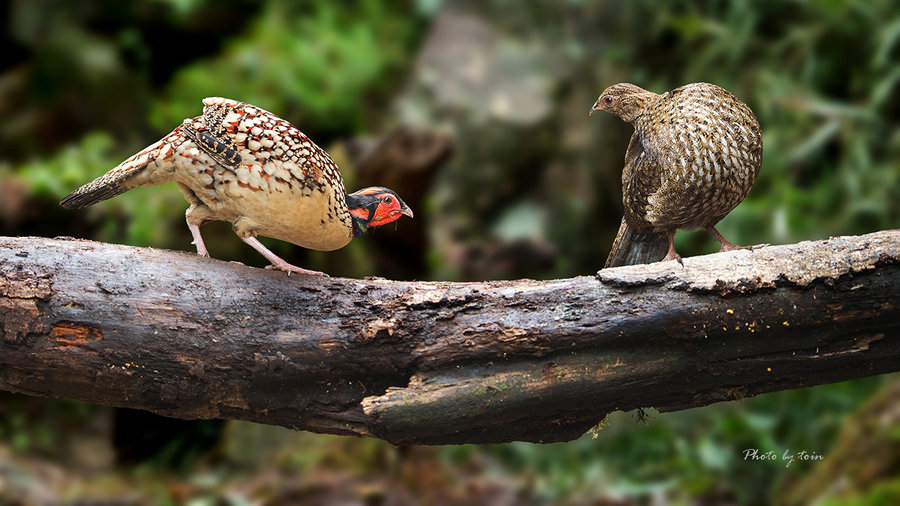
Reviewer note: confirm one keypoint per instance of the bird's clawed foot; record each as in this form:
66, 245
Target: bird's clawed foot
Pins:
278, 262
733, 247
727, 246
672, 254
286, 267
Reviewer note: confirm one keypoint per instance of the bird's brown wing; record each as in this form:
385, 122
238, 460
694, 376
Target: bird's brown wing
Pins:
637, 242
237, 134
709, 156
641, 178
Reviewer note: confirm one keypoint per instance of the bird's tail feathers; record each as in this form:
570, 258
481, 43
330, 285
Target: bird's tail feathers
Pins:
130, 173
632, 247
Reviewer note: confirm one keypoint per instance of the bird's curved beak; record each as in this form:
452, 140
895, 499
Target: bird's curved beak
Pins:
594, 108
404, 209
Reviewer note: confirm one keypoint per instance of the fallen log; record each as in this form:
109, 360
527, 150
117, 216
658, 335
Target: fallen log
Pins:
438, 362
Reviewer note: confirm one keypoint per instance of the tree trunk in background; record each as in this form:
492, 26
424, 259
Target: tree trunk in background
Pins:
438, 362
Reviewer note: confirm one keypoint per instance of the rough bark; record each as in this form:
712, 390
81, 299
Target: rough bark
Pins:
437, 362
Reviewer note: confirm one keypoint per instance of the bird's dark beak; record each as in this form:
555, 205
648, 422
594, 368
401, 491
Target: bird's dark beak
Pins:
594, 108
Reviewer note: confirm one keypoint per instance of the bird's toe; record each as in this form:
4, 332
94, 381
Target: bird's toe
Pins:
673, 256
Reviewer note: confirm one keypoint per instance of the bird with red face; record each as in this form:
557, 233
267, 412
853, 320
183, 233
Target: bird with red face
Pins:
239, 163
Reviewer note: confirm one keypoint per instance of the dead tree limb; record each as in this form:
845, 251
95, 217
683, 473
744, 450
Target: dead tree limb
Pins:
436, 362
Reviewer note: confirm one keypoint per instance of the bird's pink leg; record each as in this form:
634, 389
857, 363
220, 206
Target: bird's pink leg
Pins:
671, 254
278, 262
726, 246
198, 239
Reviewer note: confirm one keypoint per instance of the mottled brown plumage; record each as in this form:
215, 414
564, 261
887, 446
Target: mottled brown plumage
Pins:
693, 157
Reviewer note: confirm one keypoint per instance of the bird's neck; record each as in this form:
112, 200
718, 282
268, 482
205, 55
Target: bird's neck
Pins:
359, 226
637, 104
360, 220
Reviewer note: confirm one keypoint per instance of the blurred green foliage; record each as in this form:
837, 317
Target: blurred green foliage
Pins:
318, 63
689, 454
820, 76
86, 84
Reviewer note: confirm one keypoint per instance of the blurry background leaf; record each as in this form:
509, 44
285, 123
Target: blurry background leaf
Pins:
532, 189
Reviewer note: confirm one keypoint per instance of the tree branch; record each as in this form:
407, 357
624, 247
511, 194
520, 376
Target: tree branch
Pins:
436, 362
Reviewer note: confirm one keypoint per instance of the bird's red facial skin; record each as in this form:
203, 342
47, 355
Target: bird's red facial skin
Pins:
360, 213
388, 210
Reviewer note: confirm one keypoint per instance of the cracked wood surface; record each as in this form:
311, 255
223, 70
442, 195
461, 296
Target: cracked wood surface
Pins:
438, 362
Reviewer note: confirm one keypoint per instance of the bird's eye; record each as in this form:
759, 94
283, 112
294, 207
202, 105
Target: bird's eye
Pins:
607, 100
388, 200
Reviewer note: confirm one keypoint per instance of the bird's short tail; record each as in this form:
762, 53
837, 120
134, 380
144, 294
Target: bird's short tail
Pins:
158, 157
632, 247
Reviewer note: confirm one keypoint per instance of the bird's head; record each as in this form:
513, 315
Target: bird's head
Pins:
375, 206
625, 100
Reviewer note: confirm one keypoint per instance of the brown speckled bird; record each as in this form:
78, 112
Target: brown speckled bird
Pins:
242, 164
693, 157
